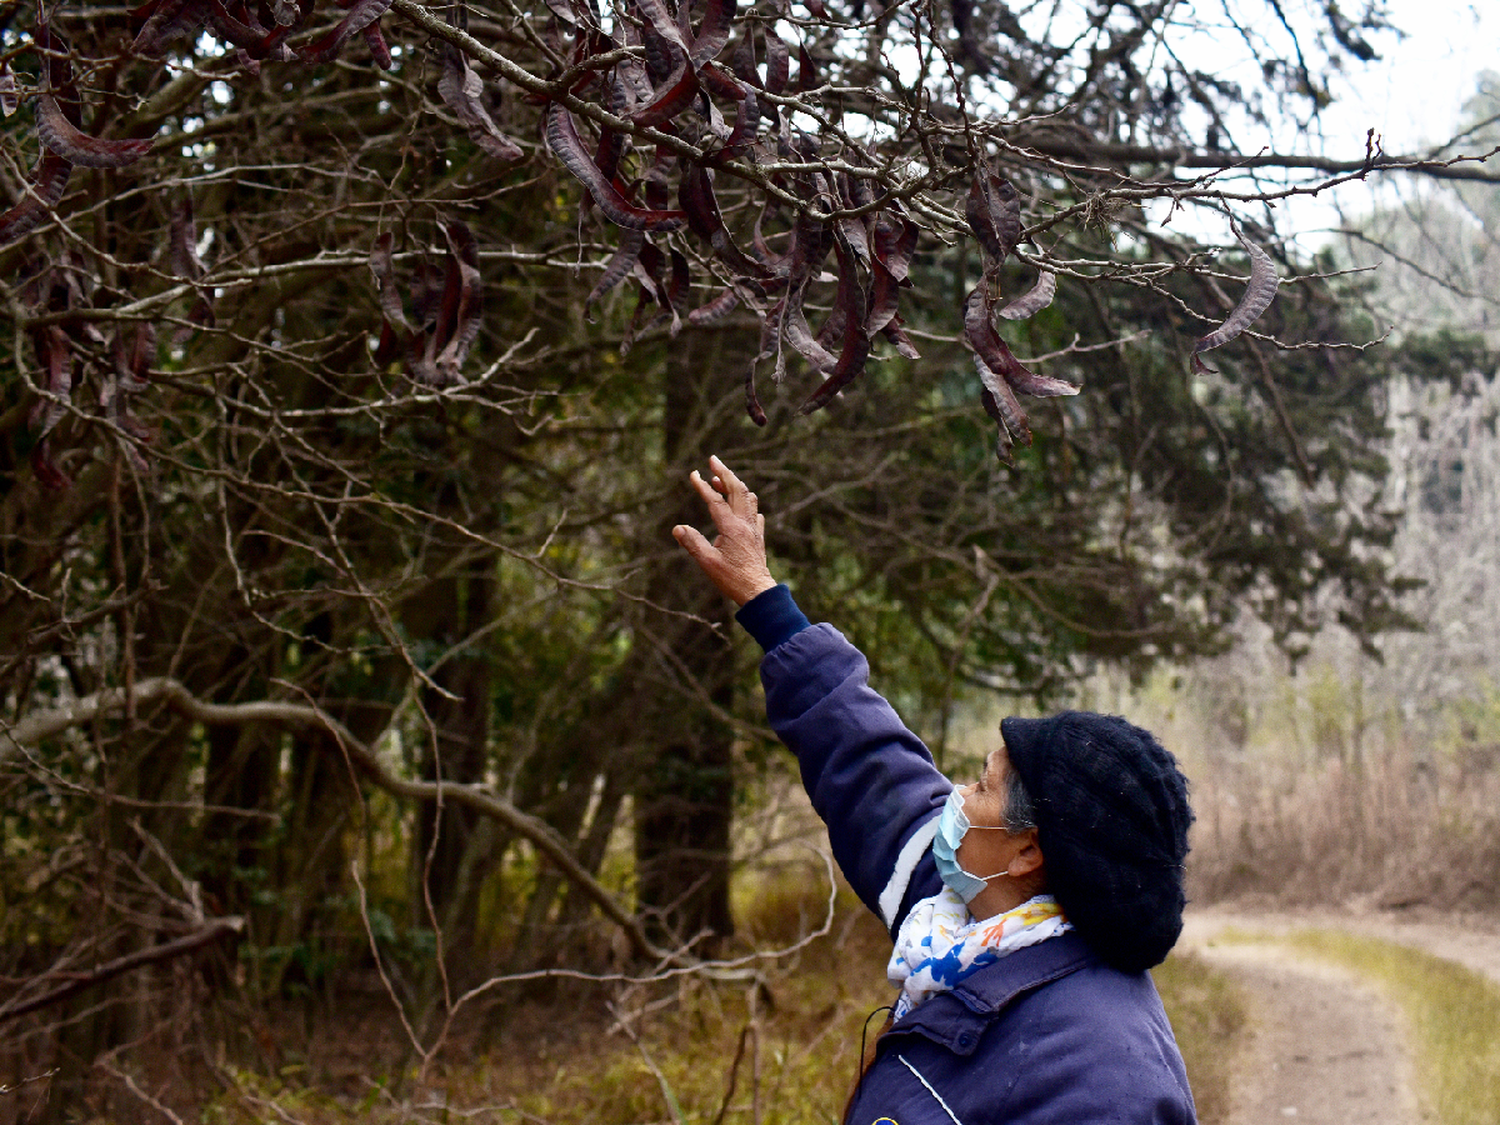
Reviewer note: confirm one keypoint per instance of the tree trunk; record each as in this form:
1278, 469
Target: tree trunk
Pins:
684, 792
456, 749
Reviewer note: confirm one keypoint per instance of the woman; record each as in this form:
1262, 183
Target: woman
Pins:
1025, 908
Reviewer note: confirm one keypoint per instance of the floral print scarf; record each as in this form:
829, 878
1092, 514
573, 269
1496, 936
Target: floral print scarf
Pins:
939, 944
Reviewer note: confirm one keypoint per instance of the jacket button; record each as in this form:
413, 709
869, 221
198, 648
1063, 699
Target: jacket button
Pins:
966, 1041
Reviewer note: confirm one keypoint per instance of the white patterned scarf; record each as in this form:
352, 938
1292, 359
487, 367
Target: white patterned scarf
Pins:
939, 944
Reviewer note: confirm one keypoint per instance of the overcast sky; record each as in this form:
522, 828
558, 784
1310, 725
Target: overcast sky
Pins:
1416, 92
1412, 96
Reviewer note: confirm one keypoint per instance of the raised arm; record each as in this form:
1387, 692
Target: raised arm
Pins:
870, 778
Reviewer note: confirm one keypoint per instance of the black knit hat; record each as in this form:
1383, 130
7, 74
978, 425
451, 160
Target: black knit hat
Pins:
1112, 822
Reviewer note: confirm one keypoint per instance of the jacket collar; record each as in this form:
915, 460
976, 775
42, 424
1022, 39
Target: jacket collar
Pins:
957, 1019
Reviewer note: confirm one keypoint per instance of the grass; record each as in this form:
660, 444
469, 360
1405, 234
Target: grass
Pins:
1209, 1017
779, 1050
809, 1043
1453, 1013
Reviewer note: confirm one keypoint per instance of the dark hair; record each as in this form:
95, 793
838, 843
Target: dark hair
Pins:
1019, 812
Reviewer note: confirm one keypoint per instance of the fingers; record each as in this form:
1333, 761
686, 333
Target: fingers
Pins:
704, 490
739, 497
735, 561
691, 540
725, 472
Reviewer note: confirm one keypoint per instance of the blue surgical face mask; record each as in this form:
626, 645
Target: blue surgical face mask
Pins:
953, 822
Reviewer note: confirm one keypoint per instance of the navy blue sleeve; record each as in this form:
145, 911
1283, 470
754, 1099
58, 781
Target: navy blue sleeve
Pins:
870, 778
772, 617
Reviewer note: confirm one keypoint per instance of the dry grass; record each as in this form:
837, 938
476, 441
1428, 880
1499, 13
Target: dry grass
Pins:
1387, 830
779, 1047
1311, 789
1209, 1017
779, 1050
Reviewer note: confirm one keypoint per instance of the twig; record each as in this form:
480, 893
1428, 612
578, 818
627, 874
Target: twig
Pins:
165, 1111
164, 952
50, 723
661, 1079
364, 916
734, 1070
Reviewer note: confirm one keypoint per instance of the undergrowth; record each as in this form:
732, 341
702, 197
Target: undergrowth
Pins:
777, 1048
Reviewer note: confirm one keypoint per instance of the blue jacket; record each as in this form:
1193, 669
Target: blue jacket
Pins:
1049, 1035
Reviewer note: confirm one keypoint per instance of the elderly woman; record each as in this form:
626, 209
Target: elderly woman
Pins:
1025, 908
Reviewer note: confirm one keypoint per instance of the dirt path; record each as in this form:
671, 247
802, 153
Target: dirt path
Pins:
1469, 939
1472, 942
1324, 1049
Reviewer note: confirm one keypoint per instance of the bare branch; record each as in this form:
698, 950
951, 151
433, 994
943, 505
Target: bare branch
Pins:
48, 724
211, 932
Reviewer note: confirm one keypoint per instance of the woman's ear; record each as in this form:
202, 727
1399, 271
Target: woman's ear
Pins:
1027, 858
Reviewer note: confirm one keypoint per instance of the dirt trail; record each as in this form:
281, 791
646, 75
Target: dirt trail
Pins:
1325, 1048
1472, 940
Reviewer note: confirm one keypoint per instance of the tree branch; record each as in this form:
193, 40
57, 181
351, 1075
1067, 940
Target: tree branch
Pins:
1068, 146
35, 728
215, 929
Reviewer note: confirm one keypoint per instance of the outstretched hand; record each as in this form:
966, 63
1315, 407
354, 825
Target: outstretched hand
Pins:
736, 560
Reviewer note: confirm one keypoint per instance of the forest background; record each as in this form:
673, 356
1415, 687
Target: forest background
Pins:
361, 715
